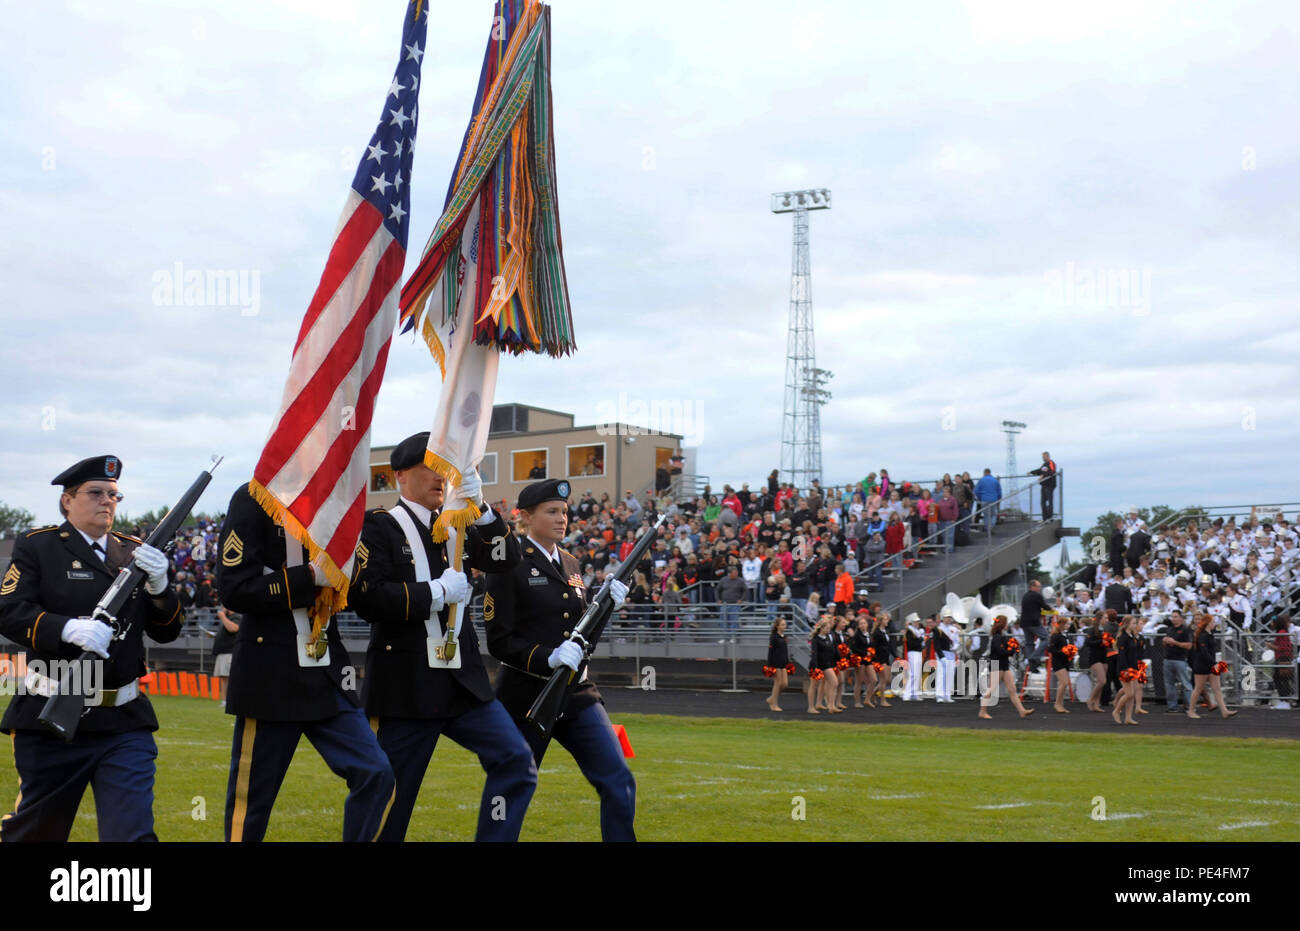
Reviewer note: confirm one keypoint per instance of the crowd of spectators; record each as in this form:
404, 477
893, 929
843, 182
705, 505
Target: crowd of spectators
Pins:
821, 552
1235, 571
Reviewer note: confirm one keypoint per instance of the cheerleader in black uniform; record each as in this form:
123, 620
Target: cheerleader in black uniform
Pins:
1129, 661
778, 657
860, 646
1000, 653
823, 660
883, 661
1056, 645
1140, 645
1094, 650
1111, 626
842, 652
1204, 670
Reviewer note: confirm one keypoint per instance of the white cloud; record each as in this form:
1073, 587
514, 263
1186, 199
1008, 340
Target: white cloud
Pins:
972, 150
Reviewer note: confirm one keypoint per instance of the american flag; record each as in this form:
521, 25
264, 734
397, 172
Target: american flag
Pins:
312, 473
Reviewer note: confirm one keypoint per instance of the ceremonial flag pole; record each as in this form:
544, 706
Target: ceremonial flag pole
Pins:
491, 277
312, 474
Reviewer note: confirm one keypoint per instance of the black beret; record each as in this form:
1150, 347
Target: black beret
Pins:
96, 468
409, 452
539, 492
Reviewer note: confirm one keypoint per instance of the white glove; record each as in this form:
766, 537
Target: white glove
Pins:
568, 654
470, 487
154, 563
318, 574
618, 591
449, 588
89, 634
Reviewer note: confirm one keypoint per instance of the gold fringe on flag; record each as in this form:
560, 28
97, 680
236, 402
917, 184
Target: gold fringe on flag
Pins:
329, 601
458, 519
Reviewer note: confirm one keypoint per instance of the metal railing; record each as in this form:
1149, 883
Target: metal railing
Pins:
873, 574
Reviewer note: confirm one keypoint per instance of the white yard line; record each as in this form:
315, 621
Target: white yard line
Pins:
1246, 824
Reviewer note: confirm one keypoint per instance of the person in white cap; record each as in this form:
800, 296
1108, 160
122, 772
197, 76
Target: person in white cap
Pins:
914, 636
947, 637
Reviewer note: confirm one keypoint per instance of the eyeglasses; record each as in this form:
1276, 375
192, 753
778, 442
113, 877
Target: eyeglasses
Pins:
100, 494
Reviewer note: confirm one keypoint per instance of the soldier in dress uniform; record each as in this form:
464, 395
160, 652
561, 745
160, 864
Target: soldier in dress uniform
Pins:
529, 614
282, 686
56, 577
412, 698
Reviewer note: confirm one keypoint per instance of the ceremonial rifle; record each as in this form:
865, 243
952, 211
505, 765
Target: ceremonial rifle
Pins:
62, 711
586, 633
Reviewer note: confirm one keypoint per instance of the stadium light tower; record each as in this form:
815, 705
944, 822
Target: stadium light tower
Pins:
805, 392
1011, 428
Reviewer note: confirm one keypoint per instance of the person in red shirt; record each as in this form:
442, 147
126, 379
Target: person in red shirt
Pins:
894, 537
732, 500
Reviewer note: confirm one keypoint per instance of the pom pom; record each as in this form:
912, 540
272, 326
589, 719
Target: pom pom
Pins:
769, 671
1013, 645
789, 668
1219, 668
816, 674
1070, 651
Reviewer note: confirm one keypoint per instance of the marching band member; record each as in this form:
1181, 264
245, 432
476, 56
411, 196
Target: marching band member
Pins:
949, 637
914, 639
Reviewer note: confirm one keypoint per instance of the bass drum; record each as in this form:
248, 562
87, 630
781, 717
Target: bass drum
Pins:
1082, 686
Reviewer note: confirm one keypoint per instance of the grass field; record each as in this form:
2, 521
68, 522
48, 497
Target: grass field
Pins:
726, 779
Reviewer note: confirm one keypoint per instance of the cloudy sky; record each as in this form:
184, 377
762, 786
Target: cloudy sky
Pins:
989, 161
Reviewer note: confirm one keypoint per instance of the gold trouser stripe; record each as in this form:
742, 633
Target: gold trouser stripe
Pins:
407, 616
374, 726
287, 597
387, 808
242, 776
19, 800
